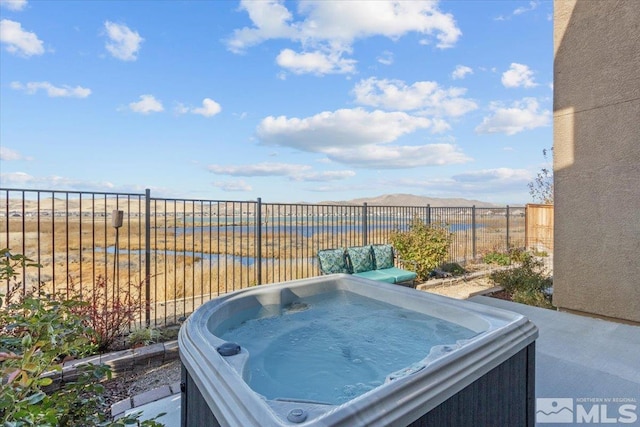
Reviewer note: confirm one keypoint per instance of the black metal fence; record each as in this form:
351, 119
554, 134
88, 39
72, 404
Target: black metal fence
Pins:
175, 254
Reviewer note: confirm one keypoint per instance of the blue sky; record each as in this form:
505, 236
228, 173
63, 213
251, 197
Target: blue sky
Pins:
288, 101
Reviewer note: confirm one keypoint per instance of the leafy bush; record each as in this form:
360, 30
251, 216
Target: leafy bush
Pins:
501, 258
424, 244
37, 332
526, 283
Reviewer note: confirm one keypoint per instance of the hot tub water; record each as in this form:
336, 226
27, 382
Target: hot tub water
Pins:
333, 347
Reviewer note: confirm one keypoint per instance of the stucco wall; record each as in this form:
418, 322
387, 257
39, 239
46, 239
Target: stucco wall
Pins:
597, 157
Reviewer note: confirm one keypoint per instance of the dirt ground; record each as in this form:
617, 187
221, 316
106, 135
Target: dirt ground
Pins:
462, 289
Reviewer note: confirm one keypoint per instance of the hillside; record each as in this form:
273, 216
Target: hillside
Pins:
413, 200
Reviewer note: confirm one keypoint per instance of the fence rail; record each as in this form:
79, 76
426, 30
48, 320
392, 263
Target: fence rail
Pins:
175, 254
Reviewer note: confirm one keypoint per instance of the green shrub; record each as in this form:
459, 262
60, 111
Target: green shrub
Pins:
515, 255
496, 258
423, 244
526, 283
37, 332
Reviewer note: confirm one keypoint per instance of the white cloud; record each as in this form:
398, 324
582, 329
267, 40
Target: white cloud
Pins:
25, 180
360, 138
52, 91
494, 175
295, 172
123, 43
54, 181
271, 21
427, 97
147, 104
209, 108
324, 176
338, 129
315, 62
7, 154
398, 157
260, 169
533, 5
524, 9
482, 184
327, 30
461, 72
19, 41
386, 58
15, 5
518, 75
522, 115
233, 186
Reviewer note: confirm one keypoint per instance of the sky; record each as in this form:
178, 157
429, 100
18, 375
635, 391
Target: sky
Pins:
289, 101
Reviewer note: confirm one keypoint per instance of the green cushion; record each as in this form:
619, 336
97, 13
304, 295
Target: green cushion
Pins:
361, 259
377, 275
399, 274
332, 261
382, 256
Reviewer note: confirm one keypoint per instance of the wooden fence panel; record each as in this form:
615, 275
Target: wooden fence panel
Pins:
539, 227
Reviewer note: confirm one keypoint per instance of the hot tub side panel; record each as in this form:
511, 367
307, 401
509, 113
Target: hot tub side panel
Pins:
194, 409
503, 396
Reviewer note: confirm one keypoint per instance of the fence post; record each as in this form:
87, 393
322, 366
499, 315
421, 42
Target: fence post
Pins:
259, 241
508, 228
147, 256
365, 225
473, 231
429, 214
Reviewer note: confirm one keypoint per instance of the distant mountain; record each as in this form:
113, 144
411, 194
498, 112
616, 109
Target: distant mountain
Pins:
413, 200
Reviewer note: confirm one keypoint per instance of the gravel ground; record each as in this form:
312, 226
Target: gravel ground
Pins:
128, 384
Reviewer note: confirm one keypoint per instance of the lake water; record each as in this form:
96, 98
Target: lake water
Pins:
304, 230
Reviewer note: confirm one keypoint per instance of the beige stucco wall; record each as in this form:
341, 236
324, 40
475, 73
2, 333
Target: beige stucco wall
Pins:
597, 157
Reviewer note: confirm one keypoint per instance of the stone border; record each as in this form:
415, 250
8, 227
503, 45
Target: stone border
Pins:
119, 361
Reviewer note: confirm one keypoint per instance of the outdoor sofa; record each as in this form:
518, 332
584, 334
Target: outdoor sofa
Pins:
375, 262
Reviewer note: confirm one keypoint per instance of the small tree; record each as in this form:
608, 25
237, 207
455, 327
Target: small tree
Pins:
541, 188
425, 244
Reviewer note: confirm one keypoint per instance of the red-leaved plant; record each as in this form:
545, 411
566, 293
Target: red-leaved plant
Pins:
110, 311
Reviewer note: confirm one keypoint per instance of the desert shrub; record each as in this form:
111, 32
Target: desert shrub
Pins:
498, 258
514, 255
519, 255
526, 283
425, 245
108, 312
37, 332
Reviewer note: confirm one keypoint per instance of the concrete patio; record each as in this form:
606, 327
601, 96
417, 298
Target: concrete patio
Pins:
589, 366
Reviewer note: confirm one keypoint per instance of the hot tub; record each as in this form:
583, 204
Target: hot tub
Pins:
449, 362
